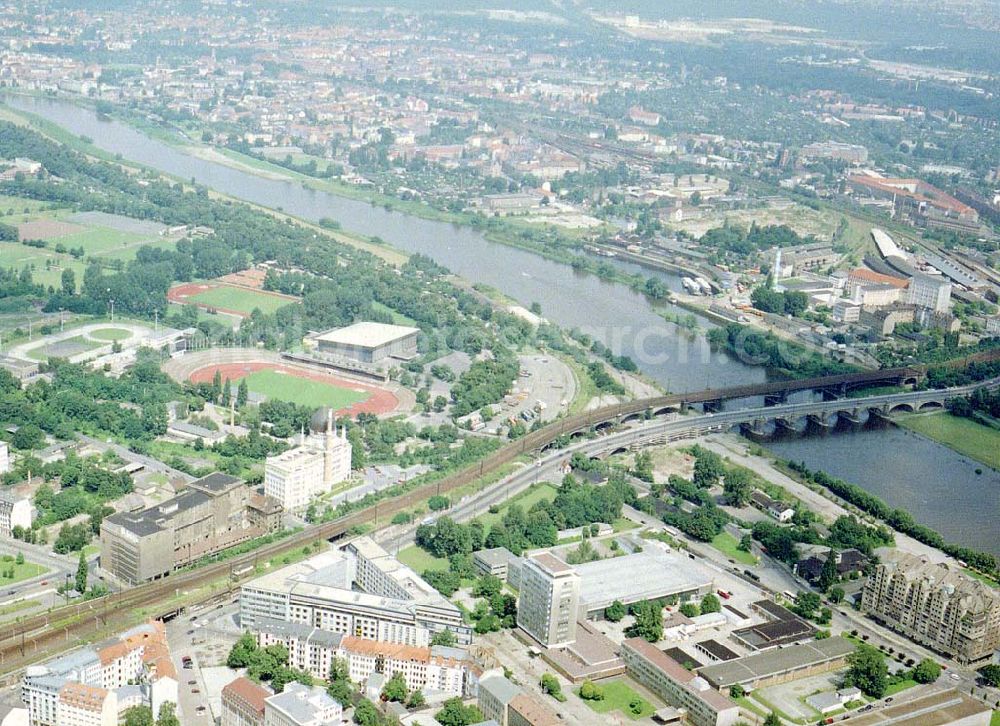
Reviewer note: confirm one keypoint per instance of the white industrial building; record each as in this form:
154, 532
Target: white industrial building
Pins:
930, 291
15, 511
321, 461
360, 590
368, 342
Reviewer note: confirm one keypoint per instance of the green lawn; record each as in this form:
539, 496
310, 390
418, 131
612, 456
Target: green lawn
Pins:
305, 392
110, 334
895, 688
727, 545
239, 299
98, 240
995, 721
617, 696
24, 571
419, 559
527, 499
965, 436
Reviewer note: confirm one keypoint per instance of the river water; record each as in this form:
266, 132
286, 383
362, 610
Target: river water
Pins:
939, 487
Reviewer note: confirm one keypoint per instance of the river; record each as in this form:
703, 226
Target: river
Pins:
939, 487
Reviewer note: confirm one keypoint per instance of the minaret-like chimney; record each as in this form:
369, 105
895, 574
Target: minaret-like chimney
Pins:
328, 450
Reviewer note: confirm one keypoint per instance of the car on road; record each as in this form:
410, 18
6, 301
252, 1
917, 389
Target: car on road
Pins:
954, 676
195, 690
889, 699
192, 683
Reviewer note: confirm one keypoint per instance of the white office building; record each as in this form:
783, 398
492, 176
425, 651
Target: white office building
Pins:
300, 705
550, 598
314, 467
361, 591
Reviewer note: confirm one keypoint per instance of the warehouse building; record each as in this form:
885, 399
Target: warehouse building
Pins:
368, 342
780, 665
653, 573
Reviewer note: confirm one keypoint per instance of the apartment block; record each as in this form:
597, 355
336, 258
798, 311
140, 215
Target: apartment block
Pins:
360, 591
243, 703
935, 606
300, 705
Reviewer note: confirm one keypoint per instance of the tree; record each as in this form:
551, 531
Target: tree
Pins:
416, 700
736, 691
828, 575
81, 573
19, 560
438, 502
487, 586
772, 720
867, 670
550, 685
737, 487
708, 468
395, 688
456, 713
590, 691
168, 715
690, 610
365, 713
927, 671
836, 595
615, 611
443, 637
242, 651
710, 604
648, 621
242, 393
138, 716
991, 674
68, 281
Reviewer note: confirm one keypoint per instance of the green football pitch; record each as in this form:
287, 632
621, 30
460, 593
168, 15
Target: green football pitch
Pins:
240, 300
302, 391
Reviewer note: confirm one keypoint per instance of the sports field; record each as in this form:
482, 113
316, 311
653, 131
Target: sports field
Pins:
64, 348
296, 384
303, 391
110, 334
229, 299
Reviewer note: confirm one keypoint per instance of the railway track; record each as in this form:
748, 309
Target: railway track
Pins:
33, 639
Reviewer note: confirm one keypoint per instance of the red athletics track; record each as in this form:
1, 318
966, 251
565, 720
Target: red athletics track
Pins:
379, 401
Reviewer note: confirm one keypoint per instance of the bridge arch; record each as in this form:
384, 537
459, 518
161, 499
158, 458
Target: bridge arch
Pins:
931, 405
638, 416
901, 408
665, 410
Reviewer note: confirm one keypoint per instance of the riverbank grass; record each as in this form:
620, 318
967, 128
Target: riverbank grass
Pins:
964, 435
